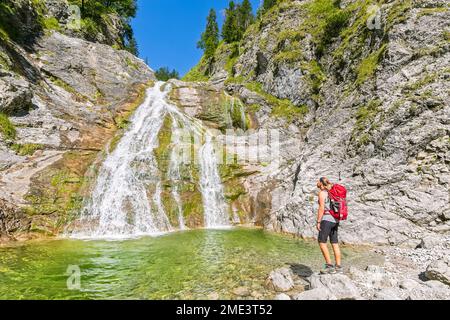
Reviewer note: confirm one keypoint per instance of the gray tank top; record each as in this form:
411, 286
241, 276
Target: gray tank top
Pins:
327, 216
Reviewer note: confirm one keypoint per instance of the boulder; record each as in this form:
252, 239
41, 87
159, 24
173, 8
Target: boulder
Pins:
339, 286
439, 270
241, 292
282, 296
315, 294
281, 280
429, 242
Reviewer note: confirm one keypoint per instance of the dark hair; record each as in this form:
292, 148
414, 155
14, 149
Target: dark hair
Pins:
324, 181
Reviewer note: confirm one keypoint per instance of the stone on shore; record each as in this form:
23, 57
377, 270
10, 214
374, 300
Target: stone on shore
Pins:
281, 280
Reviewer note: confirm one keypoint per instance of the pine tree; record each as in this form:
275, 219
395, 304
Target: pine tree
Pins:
230, 29
210, 38
268, 4
245, 15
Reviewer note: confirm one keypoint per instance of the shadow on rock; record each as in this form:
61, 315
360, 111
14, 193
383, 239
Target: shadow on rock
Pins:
301, 270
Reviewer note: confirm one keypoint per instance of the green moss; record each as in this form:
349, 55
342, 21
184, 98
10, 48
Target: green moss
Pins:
7, 128
366, 121
431, 11
368, 66
425, 80
316, 76
288, 57
163, 151
196, 74
131, 64
61, 83
26, 149
324, 21
50, 23
398, 13
281, 108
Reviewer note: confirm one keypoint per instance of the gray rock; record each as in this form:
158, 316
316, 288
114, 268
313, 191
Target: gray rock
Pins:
439, 270
340, 286
387, 294
241, 292
429, 242
315, 294
281, 280
282, 296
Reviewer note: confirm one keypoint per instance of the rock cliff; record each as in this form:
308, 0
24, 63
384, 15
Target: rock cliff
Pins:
360, 95
63, 96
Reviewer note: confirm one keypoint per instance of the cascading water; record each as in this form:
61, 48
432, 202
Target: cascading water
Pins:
126, 200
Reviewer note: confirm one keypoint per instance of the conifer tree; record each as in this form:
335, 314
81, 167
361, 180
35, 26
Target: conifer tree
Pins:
245, 15
230, 29
210, 38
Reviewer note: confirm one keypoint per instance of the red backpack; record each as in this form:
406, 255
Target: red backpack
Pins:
338, 202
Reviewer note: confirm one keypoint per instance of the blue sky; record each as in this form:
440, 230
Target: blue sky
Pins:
167, 31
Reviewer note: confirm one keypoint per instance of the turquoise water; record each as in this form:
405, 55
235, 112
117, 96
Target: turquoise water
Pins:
182, 265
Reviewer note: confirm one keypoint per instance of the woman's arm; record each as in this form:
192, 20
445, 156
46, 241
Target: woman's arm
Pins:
321, 210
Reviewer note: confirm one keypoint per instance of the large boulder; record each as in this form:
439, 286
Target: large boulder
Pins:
339, 286
281, 280
15, 94
330, 287
439, 270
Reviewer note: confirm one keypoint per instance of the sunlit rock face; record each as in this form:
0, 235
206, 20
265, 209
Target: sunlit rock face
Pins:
65, 97
377, 117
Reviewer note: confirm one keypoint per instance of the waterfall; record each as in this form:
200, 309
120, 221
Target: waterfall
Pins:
126, 200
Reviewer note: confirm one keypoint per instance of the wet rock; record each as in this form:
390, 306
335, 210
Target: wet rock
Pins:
439, 270
280, 280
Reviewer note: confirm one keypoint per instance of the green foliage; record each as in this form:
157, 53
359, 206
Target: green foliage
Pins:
366, 121
325, 21
368, 66
266, 6
164, 74
210, 38
95, 13
196, 74
50, 23
281, 108
245, 16
7, 129
26, 149
238, 17
230, 29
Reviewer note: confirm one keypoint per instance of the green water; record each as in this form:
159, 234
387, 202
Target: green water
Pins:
183, 265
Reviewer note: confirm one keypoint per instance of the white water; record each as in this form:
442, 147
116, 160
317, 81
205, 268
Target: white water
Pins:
126, 200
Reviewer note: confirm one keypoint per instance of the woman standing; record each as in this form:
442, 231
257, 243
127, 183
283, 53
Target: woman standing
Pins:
328, 227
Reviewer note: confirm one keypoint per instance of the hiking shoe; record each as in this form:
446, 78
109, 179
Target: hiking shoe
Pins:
339, 269
329, 269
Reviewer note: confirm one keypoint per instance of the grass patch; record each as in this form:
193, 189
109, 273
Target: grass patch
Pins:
281, 108
369, 65
431, 11
365, 122
7, 128
27, 149
196, 74
50, 24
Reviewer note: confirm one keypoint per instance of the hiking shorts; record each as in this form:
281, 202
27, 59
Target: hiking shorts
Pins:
328, 230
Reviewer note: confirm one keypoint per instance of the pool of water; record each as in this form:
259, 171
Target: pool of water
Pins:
183, 265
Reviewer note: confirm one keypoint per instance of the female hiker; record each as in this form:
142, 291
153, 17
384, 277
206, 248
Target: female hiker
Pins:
328, 226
